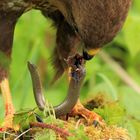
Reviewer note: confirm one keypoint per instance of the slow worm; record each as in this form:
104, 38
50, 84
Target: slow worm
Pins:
77, 76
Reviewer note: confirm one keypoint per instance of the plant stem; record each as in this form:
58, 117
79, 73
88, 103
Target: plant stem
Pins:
60, 131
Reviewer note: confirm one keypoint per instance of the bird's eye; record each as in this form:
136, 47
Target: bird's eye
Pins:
87, 56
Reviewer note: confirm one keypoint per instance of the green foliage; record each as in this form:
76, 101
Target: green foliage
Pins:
23, 119
79, 134
45, 135
132, 34
109, 88
131, 101
113, 113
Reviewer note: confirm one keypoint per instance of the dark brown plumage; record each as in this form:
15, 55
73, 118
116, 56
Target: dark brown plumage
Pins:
93, 22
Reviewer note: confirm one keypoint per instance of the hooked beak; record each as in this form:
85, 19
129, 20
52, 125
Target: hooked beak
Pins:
89, 54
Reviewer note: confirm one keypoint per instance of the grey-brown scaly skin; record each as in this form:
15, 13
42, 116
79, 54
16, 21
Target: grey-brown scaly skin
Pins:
37, 89
77, 77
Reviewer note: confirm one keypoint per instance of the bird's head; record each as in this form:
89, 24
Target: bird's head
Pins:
80, 17
87, 20
96, 22
84, 22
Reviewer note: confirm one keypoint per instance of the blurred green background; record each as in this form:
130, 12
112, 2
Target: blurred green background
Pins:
35, 40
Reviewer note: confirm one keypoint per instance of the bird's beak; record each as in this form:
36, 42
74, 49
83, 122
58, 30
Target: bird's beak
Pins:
89, 54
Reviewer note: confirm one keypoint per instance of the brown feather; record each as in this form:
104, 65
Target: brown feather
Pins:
7, 25
95, 22
98, 21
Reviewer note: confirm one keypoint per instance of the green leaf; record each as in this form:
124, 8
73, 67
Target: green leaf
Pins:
131, 100
113, 113
131, 32
136, 5
79, 134
45, 135
109, 86
23, 118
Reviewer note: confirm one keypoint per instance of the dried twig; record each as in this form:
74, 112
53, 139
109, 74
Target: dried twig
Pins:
60, 131
22, 134
119, 71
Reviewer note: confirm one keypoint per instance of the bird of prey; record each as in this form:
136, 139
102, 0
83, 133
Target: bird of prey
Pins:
88, 24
